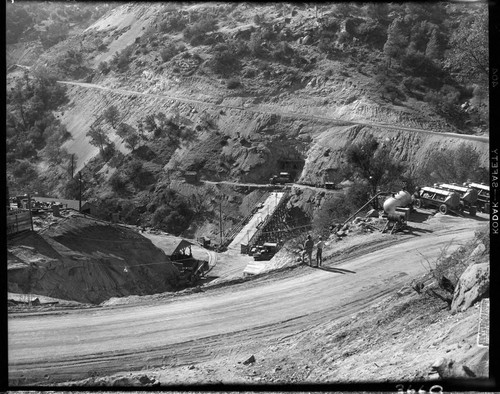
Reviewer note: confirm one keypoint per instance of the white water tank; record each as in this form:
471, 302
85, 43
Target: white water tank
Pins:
399, 200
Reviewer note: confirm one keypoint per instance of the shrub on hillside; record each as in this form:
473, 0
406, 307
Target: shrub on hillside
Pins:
104, 68
224, 62
169, 52
118, 183
372, 33
454, 165
205, 25
172, 212
172, 23
282, 51
121, 60
233, 83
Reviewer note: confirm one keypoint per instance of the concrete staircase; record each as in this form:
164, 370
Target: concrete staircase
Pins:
258, 220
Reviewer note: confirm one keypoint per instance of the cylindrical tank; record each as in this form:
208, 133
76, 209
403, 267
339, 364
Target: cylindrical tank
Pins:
453, 200
401, 199
470, 196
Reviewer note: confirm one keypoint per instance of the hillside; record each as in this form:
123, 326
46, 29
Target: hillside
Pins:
77, 258
240, 91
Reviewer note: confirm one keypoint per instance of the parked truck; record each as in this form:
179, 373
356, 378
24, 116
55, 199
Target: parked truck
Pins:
483, 195
282, 178
468, 196
443, 200
266, 251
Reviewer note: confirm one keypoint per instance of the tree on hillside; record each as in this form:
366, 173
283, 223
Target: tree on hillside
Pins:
112, 116
53, 149
373, 163
124, 129
98, 138
469, 48
396, 40
458, 166
433, 49
132, 141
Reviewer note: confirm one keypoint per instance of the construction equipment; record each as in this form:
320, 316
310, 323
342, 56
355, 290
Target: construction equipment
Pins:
468, 196
443, 200
282, 178
397, 207
191, 270
401, 199
396, 221
483, 195
266, 251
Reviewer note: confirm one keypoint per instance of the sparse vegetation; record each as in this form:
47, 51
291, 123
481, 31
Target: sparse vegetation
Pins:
457, 166
373, 163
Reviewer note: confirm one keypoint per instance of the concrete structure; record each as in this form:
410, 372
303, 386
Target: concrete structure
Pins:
258, 219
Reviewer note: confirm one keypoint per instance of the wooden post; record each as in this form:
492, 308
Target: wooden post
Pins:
80, 184
29, 208
220, 222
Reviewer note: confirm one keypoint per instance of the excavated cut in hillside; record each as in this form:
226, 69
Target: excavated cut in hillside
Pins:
89, 261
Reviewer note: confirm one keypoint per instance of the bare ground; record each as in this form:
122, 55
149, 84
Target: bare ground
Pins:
355, 320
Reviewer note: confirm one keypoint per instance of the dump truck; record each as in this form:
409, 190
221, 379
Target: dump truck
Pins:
468, 196
266, 251
443, 200
282, 178
483, 195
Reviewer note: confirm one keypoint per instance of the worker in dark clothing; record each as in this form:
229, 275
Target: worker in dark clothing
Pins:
319, 252
308, 248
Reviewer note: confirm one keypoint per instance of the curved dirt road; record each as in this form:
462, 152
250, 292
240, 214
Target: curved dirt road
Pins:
281, 113
46, 348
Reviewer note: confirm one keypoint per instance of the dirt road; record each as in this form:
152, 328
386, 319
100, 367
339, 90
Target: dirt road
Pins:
281, 113
227, 321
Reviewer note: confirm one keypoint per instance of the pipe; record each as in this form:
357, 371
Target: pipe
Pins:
360, 209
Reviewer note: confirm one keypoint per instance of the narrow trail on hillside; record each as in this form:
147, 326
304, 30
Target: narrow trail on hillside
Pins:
337, 122
225, 322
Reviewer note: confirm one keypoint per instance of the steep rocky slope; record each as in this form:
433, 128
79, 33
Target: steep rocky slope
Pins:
242, 126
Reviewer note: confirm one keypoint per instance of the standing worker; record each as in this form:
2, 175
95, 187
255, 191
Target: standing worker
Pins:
319, 252
308, 247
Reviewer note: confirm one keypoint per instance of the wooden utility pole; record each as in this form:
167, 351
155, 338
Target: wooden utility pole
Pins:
220, 222
80, 184
29, 208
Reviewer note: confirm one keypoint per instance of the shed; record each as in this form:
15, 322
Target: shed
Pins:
180, 250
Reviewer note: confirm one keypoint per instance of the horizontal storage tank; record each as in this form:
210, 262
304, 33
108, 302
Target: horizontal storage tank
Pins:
400, 200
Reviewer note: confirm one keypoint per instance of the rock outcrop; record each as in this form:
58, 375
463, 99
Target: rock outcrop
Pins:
472, 286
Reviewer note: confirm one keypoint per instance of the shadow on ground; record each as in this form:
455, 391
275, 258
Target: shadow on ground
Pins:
336, 270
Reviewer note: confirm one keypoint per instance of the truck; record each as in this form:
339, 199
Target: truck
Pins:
266, 251
483, 195
282, 178
468, 196
443, 200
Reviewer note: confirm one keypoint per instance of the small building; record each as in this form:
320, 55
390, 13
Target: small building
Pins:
180, 250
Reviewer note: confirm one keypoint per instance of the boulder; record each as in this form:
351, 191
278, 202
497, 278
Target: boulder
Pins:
472, 287
250, 360
478, 251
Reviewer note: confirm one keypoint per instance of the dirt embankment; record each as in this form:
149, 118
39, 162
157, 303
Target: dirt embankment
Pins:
81, 259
